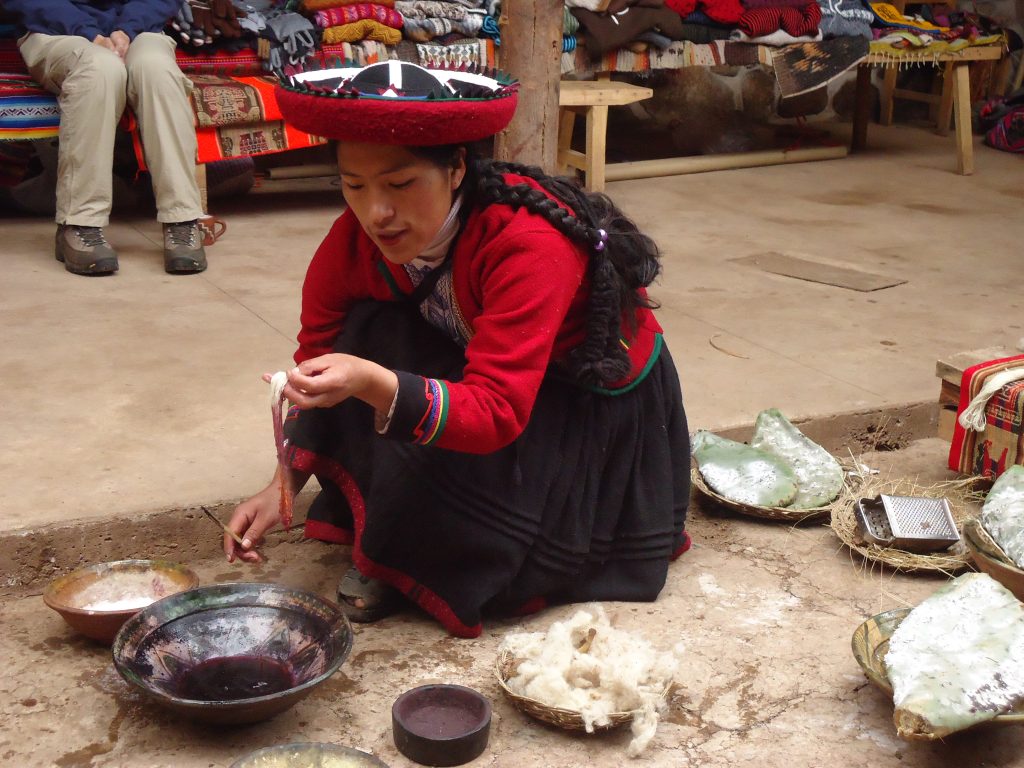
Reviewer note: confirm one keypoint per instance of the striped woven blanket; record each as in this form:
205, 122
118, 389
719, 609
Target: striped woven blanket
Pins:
27, 111
1001, 444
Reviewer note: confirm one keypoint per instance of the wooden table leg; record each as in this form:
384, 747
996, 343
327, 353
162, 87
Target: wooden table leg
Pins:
962, 111
861, 109
566, 123
888, 100
946, 102
597, 127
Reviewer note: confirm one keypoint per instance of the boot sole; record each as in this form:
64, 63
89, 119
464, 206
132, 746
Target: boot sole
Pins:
98, 268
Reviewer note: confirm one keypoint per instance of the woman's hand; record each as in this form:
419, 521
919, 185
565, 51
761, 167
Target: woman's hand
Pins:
331, 379
251, 520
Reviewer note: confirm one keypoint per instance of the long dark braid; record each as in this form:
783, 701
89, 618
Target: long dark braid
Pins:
623, 259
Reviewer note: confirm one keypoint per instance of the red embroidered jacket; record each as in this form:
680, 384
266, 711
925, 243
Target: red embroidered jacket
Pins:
521, 287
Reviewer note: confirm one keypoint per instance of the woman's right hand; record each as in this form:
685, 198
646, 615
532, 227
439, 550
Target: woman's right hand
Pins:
251, 520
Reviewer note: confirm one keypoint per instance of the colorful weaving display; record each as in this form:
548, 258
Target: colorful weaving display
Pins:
463, 53
250, 140
27, 111
347, 14
364, 29
1001, 444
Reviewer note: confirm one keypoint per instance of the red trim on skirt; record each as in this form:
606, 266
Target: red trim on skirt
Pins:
304, 460
685, 546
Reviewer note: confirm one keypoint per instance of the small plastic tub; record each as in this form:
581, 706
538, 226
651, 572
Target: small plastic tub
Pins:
441, 724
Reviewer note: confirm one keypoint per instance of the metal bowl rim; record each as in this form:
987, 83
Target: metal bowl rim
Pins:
344, 627
331, 748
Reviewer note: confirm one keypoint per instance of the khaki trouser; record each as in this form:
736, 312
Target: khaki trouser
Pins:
93, 84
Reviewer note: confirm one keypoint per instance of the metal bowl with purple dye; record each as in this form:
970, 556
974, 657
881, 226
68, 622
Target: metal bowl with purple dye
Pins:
98, 599
233, 653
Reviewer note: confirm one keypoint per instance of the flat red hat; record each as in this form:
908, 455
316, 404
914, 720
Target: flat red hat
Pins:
395, 102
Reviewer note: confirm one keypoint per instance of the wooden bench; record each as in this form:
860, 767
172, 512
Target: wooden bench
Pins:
961, 95
591, 99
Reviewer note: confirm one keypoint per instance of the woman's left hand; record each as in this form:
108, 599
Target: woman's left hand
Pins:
331, 379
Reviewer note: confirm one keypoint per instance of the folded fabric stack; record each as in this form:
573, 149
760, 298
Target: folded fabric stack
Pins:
641, 25
570, 26
646, 22
718, 11
428, 20
899, 35
351, 21
845, 18
779, 22
345, 21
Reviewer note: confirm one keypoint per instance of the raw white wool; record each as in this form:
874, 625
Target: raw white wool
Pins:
618, 672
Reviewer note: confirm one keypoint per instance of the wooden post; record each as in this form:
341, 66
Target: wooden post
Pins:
531, 50
962, 111
861, 109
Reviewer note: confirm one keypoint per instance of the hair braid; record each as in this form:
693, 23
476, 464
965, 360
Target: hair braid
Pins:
622, 259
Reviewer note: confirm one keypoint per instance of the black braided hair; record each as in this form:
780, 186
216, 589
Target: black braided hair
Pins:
627, 260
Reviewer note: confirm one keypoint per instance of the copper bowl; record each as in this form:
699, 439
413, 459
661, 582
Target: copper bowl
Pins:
98, 599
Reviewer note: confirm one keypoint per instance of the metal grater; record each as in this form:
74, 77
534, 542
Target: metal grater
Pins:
913, 523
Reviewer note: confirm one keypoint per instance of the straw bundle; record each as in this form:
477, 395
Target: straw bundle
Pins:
963, 504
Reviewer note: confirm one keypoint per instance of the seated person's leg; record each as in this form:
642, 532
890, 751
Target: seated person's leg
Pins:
90, 84
158, 92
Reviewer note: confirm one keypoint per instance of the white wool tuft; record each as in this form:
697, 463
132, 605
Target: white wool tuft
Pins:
618, 673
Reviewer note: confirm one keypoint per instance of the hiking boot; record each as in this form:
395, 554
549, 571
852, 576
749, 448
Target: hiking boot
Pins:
183, 248
84, 250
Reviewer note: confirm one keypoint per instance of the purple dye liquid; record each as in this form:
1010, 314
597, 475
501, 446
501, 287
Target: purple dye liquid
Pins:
234, 677
437, 721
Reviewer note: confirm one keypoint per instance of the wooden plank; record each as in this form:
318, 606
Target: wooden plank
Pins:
962, 110
888, 90
818, 272
951, 368
928, 98
597, 126
586, 93
674, 166
949, 394
947, 423
566, 123
971, 53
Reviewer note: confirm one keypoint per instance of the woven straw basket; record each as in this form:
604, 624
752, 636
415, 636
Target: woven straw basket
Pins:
753, 510
568, 719
961, 496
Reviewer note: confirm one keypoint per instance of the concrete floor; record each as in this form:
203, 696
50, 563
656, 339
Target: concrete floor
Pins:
131, 400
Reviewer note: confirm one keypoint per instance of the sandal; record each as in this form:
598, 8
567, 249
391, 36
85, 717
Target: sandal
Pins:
379, 598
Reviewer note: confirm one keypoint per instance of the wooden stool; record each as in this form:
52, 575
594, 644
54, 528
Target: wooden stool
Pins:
942, 102
960, 98
592, 99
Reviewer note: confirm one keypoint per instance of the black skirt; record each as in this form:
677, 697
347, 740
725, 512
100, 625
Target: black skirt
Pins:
589, 503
